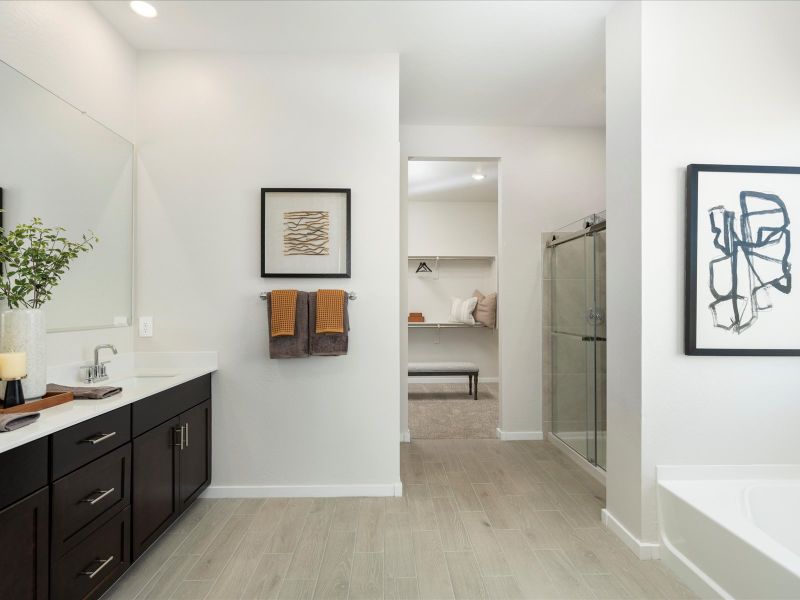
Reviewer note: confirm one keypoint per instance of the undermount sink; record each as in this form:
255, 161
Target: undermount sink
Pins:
140, 380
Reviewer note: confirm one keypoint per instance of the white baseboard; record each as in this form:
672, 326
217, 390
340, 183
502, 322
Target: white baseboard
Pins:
453, 379
405, 436
519, 435
644, 550
303, 491
594, 472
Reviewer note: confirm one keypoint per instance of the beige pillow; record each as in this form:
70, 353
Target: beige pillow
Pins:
486, 309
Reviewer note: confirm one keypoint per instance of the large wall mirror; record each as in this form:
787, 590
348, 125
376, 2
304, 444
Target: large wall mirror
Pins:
61, 165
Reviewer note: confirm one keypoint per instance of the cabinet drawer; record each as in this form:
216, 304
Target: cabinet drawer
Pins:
82, 443
24, 470
99, 488
151, 412
95, 563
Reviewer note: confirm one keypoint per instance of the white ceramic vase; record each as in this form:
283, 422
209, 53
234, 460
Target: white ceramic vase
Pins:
23, 330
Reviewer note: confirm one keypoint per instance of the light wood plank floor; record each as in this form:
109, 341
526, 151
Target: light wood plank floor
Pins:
479, 519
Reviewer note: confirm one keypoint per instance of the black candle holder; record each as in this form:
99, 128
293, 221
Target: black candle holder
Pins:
13, 395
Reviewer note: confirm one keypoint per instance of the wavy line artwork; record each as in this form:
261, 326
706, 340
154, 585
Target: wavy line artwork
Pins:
305, 233
755, 259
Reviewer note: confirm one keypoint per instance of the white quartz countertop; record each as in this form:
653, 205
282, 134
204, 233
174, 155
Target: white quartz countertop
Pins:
141, 375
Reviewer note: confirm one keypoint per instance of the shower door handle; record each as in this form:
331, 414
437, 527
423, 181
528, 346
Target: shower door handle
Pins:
595, 316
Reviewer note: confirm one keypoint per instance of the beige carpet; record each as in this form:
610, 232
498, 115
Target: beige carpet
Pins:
447, 411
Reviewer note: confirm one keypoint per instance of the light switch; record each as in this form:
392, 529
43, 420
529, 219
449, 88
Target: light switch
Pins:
145, 326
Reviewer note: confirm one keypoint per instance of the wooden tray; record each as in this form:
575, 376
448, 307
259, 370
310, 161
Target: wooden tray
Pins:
46, 401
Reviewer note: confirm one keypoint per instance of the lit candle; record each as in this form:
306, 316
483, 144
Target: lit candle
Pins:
13, 365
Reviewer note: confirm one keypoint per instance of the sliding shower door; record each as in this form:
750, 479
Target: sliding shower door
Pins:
578, 342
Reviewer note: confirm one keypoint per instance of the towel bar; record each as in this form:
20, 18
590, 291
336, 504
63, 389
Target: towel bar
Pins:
350, 295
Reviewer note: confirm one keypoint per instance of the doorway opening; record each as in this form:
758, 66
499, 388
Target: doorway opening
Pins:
453, 356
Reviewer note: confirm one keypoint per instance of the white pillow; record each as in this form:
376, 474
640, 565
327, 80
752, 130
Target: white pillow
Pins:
461, 310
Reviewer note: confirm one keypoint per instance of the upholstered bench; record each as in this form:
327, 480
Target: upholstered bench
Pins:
445, 369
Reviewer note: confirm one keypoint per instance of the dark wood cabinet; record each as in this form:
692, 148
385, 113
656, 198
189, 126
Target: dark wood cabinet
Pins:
84, 442
101, 488
77, 507
155, 474
24, 540
171, 468
152, 411
95, 563
194, 472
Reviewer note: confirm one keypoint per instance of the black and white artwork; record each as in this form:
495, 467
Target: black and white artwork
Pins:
741, 297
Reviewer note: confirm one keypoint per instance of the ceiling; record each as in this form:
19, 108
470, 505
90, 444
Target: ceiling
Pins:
451, 181
461, 63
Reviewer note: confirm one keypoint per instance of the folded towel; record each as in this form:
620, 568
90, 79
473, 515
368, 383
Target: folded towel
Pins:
12, 421
327, 344
330, 311
284, 311
91, 393
296, 345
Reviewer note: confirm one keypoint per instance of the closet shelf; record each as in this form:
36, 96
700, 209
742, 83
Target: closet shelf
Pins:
452, 257
444, 326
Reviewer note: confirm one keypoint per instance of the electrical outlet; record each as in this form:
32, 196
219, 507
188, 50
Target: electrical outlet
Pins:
145, 326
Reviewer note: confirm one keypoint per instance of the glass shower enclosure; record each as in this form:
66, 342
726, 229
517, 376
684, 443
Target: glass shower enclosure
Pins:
577, 255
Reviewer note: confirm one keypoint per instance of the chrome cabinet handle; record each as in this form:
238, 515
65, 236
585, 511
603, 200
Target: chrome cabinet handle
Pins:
100, 437
182, 444
103, 564
97, 496
187, 434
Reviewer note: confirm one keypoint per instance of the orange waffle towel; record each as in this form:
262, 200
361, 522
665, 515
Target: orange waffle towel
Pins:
284, 309
330, 311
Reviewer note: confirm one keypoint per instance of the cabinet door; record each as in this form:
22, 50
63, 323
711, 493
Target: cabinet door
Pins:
23, 538
155, 483
195, 457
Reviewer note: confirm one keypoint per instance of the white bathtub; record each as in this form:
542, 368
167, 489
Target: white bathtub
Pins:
732, 531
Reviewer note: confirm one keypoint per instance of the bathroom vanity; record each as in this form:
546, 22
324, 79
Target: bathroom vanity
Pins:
99, 483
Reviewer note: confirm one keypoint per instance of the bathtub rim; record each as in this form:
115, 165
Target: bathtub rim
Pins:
740, 525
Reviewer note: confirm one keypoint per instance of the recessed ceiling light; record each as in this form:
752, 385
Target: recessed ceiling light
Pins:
478, 176
144, 9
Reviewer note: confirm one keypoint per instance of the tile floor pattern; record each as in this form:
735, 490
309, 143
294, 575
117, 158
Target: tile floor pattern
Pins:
479, 519
446, 410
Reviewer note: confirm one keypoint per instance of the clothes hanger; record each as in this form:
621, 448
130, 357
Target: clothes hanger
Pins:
423, 268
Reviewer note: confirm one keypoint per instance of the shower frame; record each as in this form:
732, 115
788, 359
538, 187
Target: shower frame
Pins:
579, 327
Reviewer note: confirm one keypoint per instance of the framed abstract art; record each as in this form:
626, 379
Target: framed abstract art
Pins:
305, 232
741, 297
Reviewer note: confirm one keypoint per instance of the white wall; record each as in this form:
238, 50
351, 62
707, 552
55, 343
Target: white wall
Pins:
624, 264
719, 84
442, 228
548, 178
213, 129
70, 49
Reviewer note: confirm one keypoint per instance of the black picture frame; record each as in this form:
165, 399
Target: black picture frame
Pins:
693, 172
265, 191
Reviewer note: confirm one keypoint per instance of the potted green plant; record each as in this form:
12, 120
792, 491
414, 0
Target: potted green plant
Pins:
34, 258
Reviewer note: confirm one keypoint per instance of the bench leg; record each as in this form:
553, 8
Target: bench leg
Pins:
475, 387
469, 378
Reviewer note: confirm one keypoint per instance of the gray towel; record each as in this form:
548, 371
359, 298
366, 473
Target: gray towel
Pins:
12, 421
91, 393
326, 344
290, 346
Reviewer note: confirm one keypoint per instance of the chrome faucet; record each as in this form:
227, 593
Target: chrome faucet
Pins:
97, 372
